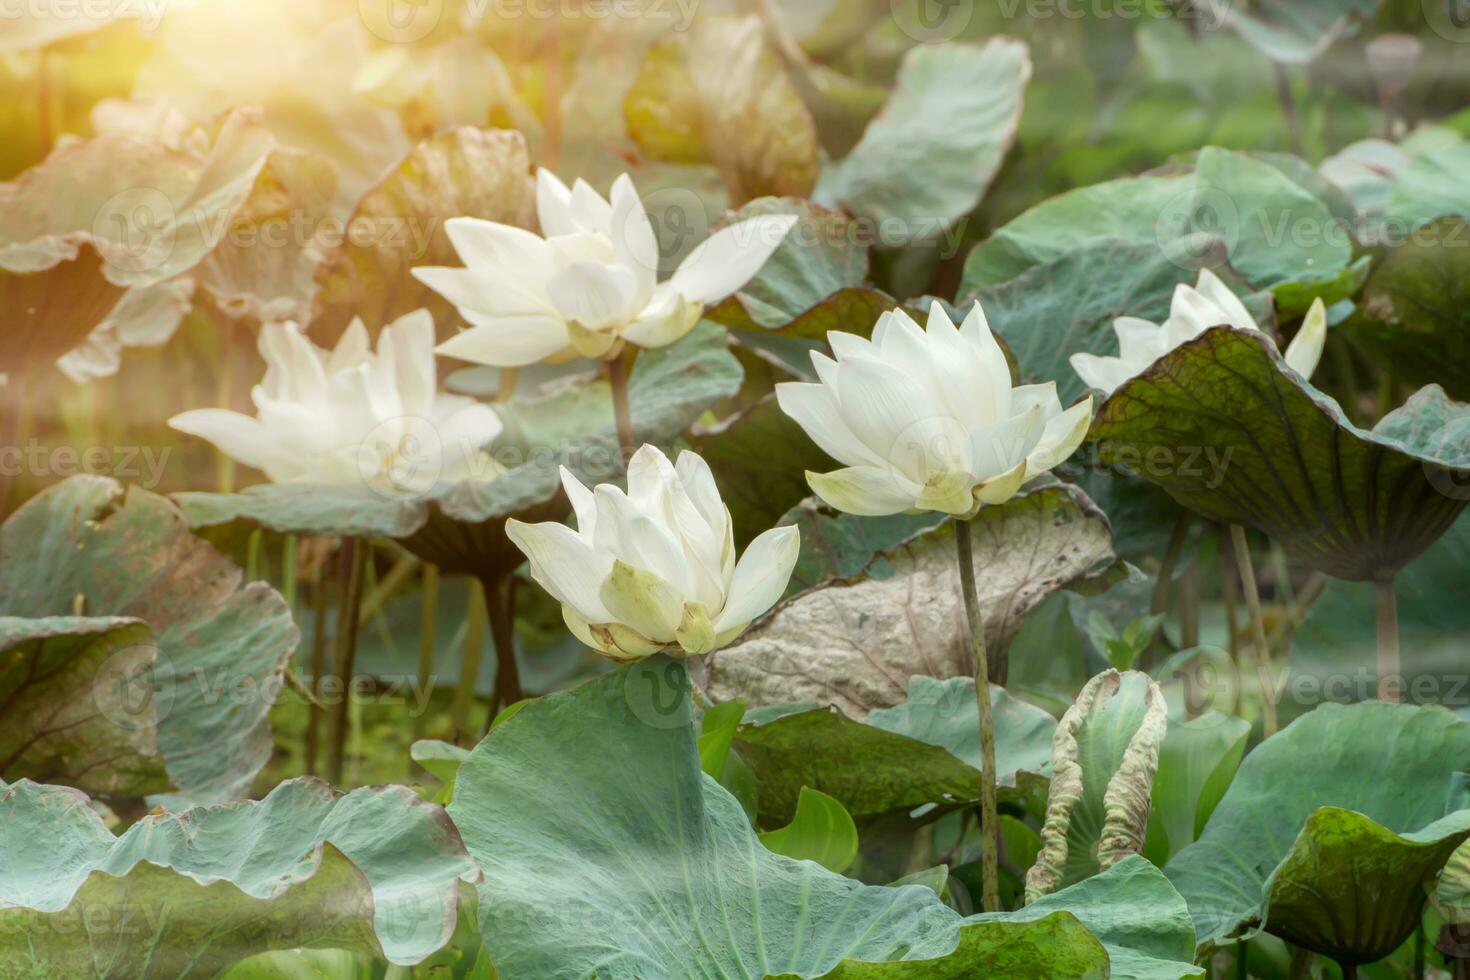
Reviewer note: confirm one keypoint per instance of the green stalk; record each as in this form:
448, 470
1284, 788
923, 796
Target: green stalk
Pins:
500, 603
428, 623
622, 412
989, 821
469, 663
288, 571
252, 557
314, 713
354, 564
1388, 640
1160, 600
1265, 675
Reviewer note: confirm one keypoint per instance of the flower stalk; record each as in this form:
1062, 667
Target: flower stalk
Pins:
428, 626
1265, 675
617, 371
354, 569
500, 604
469, 663
989, 821
1388, 640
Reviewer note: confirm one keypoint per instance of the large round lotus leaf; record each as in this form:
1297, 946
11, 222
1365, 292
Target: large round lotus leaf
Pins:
606, 851
855, 643
460, 526
954, 106
1352, 503
1334, 652
1346, 802
1415, 314
84, 546
185, 895
923, 750
64, 686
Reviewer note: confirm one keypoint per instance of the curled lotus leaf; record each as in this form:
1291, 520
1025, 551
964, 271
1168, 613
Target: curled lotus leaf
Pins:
1104, 756
375, 871
1352, 503
103, 218
204, 673
718, 94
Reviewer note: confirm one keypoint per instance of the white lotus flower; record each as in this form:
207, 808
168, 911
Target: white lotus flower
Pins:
654, 568
351, 415
928, 420
1209, 303
591, 283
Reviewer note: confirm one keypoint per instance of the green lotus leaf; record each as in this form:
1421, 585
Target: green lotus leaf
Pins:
1230, 201
1334, 653
1415, 314
85, 545
460, 526
626, 812
954, 106
1289, 33
820, 830
1432, 184
1196, 763
1347, 801
923, 750
64, 685
825, 252
184, 895
1452, 893
399, 224
717, 94
855, 643
1354, 504
1104, 757
1140, 922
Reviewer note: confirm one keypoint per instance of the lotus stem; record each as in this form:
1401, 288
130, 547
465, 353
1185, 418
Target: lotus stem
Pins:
318, 664
1242, 961
224, 395
12, 408
354, 567
428, 623
1265, 675
1228, 589
507, 387
252, 556
1300, 965
1189, 606
1288, 107
288, 571
989, 821
622, 412
469, 662
1388, 640
1160, 601
500, 600
1349, 971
